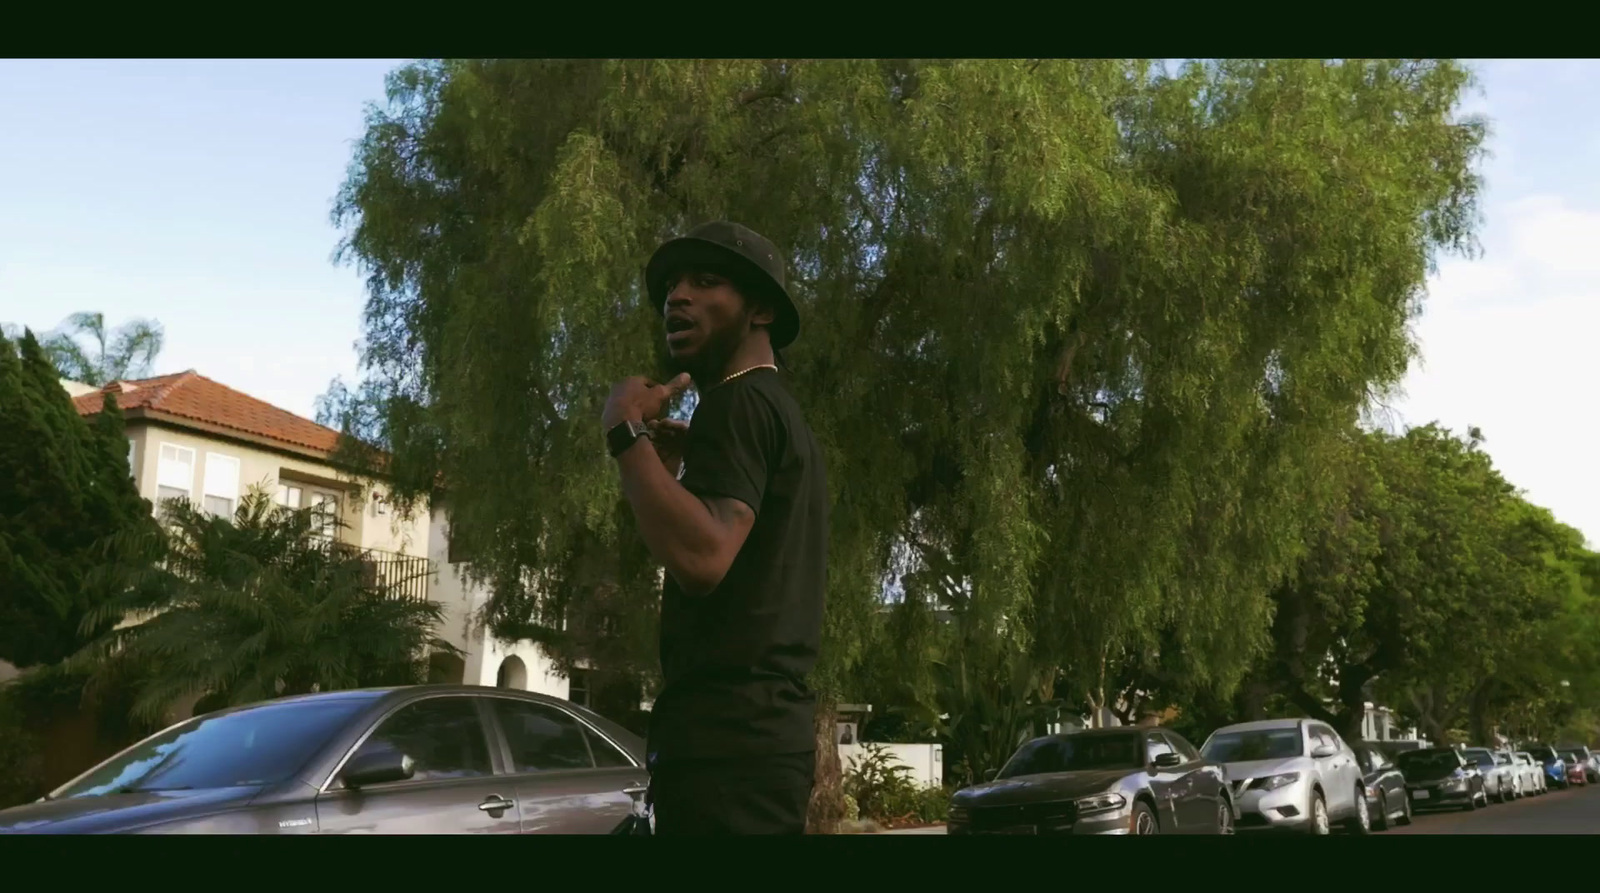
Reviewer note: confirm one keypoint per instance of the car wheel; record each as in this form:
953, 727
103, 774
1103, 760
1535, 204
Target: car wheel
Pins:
1380, 822
1319, 815
1224, 816
1144, 819
1361, 822
1405, 811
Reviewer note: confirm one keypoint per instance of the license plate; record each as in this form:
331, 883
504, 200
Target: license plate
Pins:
1420, 795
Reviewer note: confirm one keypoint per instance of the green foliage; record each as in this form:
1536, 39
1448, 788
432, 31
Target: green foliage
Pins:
1079, 330
21, 753
127, 352
254, 607
876, 781
66, 497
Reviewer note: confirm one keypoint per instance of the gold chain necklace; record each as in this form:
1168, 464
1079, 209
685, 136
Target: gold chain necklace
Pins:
743, 371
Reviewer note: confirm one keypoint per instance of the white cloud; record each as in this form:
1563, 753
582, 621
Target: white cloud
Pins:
1508, 345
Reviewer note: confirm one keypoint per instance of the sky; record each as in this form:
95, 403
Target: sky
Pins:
198, 193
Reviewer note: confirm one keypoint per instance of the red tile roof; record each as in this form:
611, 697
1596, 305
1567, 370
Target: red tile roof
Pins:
190, 395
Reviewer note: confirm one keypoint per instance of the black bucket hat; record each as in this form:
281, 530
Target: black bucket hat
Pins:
721, 245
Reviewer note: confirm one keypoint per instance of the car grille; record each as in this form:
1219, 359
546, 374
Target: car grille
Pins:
1046, 816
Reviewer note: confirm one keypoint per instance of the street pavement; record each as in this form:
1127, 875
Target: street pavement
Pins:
1573, 811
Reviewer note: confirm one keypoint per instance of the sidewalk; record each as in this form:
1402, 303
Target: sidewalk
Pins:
931, 829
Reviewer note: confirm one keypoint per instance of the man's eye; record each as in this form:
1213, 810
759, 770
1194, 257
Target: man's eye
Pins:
706, 280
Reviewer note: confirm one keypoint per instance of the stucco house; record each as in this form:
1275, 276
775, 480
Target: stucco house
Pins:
194, 438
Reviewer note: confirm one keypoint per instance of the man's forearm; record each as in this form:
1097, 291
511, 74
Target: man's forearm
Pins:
677, 527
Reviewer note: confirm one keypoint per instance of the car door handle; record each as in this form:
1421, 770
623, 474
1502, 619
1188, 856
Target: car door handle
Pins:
496, 803
635, 790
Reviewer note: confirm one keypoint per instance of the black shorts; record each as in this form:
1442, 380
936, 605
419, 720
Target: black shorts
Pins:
733, 795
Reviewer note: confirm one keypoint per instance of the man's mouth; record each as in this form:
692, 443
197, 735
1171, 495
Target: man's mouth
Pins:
678, 327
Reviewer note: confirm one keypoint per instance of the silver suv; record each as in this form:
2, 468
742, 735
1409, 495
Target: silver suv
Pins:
1291, 773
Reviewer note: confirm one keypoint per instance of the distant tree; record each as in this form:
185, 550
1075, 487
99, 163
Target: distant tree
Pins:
66, 497
127, 352
254, 607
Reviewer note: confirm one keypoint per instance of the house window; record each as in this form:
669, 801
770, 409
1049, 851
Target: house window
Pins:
131, 445
288, 496
578, 688
174, 473
222, 484
324, 513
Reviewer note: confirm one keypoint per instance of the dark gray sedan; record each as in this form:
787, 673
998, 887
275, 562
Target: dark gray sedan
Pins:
1107, 781
432, 759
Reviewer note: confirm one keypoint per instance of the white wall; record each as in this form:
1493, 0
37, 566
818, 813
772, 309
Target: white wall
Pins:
369, 530
8, 672
926, 761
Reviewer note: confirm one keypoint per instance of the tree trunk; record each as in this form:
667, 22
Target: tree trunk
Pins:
826, 809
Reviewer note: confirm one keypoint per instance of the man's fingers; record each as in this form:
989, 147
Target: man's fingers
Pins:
675, 425
677, 386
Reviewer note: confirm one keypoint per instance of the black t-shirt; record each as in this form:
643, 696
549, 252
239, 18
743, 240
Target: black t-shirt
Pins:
734, 661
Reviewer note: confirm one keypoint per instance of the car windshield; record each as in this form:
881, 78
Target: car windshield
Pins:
1076, 753
1259, 744
1543, 753
1481, 757
1426, 762
258, 745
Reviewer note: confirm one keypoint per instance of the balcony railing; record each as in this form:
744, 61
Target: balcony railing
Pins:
402, 576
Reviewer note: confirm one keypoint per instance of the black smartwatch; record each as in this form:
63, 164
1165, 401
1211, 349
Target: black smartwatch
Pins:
619, 438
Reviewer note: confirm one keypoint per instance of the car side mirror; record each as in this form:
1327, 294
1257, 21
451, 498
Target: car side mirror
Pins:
1168, 761
990, 774
379, 767
1323, 751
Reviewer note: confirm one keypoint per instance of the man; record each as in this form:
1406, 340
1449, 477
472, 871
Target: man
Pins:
735, 506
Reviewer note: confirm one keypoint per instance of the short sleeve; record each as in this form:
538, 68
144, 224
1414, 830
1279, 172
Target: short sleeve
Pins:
734, 440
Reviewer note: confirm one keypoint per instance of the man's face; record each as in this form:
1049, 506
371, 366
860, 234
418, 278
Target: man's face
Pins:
706, 319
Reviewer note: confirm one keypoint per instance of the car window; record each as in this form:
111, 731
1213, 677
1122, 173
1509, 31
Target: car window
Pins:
606, 754
257, 745
444, 738
1182, 746
1075, 753
1324, 735
1259, 744
542, 738
1155, 746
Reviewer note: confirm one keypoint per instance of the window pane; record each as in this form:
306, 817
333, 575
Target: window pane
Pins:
165, 493
222, 508
222, 476
442, 736
176, 468
261, 745
1157, 747
606, 755
542, 738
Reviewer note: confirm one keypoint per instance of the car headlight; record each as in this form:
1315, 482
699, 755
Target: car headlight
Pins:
958, 815
1273, 782
1101, 802
1456, 779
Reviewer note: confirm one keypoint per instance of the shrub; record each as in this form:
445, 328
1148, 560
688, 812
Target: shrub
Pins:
21, 758
878, 783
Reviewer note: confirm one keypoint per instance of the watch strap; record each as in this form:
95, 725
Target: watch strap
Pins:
622, 436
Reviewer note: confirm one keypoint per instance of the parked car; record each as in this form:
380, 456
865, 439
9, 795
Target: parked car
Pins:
1393, 749
1577, 767
1499, 781
1584, 759
1103, 781
1532, 773
1387, 800
1555, 768
1441, 777
1293, 774
431, 759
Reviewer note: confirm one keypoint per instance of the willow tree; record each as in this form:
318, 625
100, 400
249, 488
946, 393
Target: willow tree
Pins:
1077, 327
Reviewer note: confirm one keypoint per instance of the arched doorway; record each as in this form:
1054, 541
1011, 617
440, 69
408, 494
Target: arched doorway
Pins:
513, 674
446, 668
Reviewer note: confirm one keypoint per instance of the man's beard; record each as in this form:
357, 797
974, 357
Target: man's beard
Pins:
707, 364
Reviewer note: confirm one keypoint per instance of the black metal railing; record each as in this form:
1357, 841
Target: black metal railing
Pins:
401, 576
